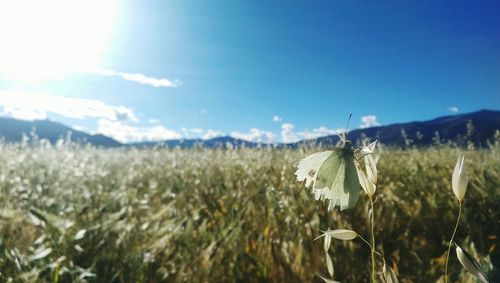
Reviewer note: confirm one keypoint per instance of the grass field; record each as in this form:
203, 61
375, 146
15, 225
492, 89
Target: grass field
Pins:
75, 214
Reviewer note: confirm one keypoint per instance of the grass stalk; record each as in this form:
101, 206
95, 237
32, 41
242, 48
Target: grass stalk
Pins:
450, 243
370, 245
372, 250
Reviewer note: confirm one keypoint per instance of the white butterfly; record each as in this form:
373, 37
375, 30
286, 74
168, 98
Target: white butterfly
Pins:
332, 174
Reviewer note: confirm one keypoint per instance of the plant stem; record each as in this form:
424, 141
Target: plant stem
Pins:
372, 221
369, 245
451, 241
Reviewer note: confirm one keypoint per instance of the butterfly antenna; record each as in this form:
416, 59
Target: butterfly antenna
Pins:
347, 126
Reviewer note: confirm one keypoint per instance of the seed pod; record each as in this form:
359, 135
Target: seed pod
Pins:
459, 180
339, 234
329, 264
388, 274
328, 240
471, 265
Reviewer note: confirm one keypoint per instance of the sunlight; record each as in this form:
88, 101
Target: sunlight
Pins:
46, 39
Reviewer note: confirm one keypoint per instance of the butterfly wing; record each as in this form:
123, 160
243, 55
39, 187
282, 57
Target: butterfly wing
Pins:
337, 180
307, 168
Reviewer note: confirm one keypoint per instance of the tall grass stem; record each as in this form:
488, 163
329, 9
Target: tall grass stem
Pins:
451, 241
372, 220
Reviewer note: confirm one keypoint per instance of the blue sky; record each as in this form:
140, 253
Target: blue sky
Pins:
259, 70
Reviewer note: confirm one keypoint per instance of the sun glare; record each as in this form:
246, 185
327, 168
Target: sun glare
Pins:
46, 39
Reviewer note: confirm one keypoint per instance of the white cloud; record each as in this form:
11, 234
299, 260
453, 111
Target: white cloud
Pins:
453, 109
210, 134
80, 128
30, 106
256, 135
288, 133
136, 77
198, 131
23, 113
319, 132
201, 133
277, 118
126, 133
116, 121
369, 121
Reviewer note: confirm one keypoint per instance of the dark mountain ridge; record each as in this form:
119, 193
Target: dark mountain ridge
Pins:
13, 130
477, 127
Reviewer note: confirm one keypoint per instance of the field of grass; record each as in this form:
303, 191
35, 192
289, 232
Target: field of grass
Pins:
80, 214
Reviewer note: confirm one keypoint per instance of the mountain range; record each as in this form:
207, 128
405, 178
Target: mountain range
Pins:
13, 130
477, 127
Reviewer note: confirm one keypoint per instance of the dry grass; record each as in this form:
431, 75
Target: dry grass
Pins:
212, 215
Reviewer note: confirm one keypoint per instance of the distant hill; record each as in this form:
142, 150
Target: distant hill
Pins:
449, 128
478, 127
482, 127
12, 130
